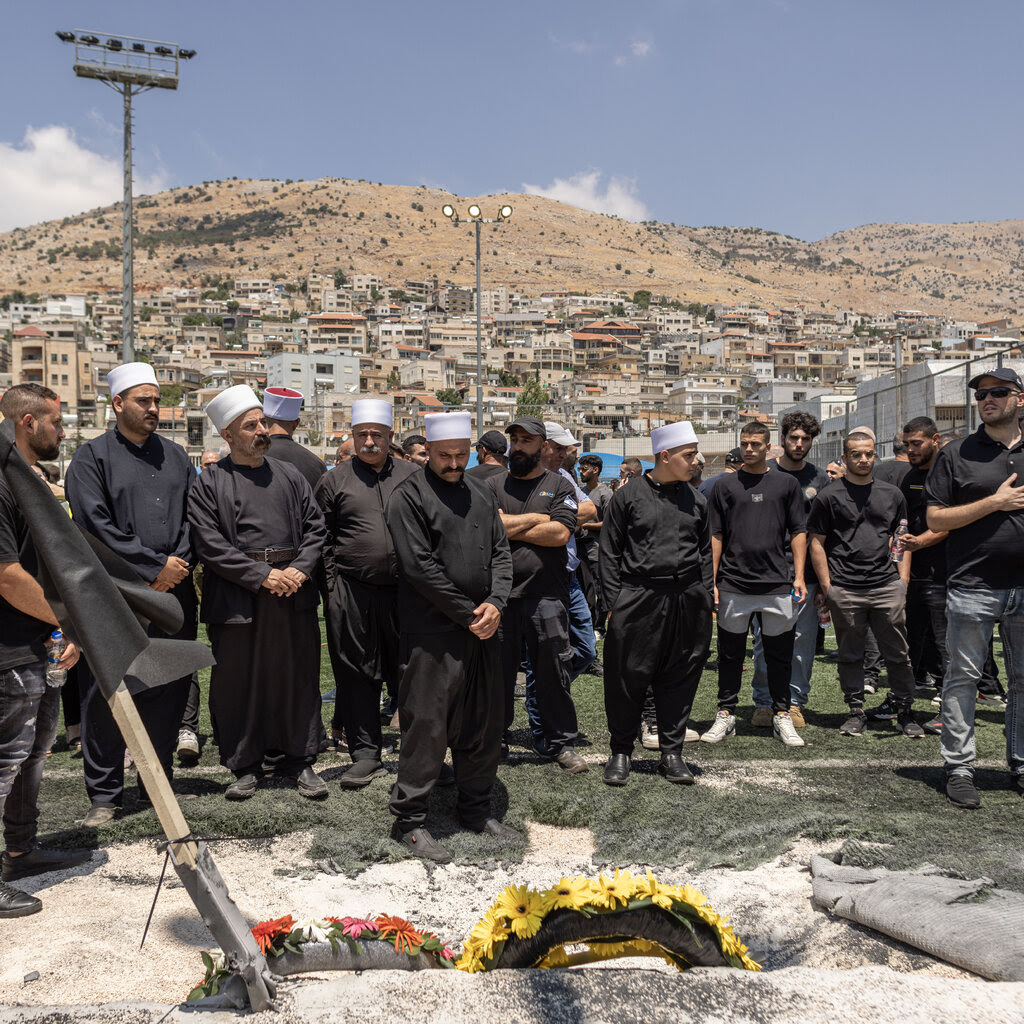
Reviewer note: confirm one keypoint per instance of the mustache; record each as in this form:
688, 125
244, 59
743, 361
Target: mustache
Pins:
371, 449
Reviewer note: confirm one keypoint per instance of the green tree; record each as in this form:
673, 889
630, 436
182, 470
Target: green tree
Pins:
450, 396
642, 298
618, 309
394, 379
170, 394
532, 399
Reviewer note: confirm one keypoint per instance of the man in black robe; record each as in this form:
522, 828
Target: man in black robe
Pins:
657, 584
456, 574
281, 407
259, 534
129, 487
361, 577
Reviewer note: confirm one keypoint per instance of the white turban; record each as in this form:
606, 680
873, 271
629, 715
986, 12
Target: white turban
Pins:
672, 435
448, 426
372, 410
128, 375
226, 407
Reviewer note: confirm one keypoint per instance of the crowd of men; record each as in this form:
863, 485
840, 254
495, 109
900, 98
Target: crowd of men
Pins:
443, 586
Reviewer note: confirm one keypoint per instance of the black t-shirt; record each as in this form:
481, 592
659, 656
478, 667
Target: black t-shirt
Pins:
892, 471
811, 480
928, 565
538, 571
858, 521
483, 470
21, 636
755, 514
990, 551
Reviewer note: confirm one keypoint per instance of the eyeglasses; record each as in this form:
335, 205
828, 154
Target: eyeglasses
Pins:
982, 393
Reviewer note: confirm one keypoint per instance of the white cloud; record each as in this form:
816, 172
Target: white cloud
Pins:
640, 48
50, 174
584, 190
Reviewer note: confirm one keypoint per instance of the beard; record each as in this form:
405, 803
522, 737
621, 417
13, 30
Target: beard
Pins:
522, 463
45, 450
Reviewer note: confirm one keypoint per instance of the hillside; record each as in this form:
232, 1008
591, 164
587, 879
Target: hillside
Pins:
229, 229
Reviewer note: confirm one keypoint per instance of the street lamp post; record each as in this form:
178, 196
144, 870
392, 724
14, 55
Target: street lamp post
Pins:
475, 215
129, 66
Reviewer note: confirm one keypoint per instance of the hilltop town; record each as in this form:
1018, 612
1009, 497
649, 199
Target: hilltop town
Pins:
344, 289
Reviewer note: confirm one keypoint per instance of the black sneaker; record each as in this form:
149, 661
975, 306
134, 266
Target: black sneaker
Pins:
39, 861
885, 712
854, 724
961, 792
362, 773
908, 726
422, 844
15, 903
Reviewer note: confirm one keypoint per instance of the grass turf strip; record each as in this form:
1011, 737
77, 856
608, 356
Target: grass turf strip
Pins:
882, 794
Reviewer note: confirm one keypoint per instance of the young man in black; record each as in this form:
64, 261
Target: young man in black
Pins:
538, 511
851, 525
29, 707
657, 582
753, 512
974, 491
797, 431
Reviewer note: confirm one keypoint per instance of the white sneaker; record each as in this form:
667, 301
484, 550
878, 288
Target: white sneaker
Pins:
188, 743
723, 725
649, 736
991, 700
785, 730
691, 735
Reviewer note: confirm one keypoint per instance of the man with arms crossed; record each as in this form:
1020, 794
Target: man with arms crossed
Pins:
974, 491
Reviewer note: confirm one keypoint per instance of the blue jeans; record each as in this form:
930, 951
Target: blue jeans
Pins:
584, 650
804, 641
28, 726
971, 615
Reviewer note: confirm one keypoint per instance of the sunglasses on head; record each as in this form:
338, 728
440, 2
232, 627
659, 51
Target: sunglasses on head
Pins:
982, 393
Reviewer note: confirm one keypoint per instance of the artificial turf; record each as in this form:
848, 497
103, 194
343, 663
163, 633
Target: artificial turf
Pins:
881, 794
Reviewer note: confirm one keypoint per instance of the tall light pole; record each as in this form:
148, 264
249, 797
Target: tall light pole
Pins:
129, 66
476, 216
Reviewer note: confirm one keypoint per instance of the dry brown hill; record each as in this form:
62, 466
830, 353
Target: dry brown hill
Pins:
229, 229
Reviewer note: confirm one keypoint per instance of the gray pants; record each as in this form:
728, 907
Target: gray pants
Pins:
884, 609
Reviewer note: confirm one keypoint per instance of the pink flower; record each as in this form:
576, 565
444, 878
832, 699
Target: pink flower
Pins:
353, 927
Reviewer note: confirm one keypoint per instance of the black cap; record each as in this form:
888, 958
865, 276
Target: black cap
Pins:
1000, 373
530, 424
493, 441
734, 457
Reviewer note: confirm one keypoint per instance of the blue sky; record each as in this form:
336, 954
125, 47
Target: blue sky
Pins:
801, 116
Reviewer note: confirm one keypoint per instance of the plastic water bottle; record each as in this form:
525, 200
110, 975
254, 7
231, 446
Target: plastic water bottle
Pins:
824, 619
55, 647
897, 543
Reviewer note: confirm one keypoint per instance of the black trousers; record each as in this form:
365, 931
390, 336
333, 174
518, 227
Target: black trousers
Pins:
540, 626
926, 628
160, 709
778, 661
657, 638
450, 696
362, 639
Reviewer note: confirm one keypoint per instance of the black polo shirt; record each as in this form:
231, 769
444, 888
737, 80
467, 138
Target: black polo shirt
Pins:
990, 551
927, 565
857, 522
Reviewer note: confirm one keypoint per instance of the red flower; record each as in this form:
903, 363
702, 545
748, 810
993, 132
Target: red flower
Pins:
406, 937
266, 931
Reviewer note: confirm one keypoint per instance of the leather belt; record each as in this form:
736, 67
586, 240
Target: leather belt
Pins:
272, 555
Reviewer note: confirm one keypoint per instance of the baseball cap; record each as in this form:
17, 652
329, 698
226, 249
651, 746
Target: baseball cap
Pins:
557, 433
493, 441
530, 424
1011, 377
734, 457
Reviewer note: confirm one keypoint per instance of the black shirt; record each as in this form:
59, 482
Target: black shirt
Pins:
483, 470
134, 498
990, 551
655, 534
538, 571
586, 540
353, 497
811, 480
927, 565
857, 522
892, 471
754, 514
289, 450
452, 551
21, 636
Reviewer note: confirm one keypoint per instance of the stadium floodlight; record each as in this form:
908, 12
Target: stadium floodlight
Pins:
475, 214
128, 66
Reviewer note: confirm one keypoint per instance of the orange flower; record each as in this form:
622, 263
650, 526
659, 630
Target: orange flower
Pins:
406, 937
266, 931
